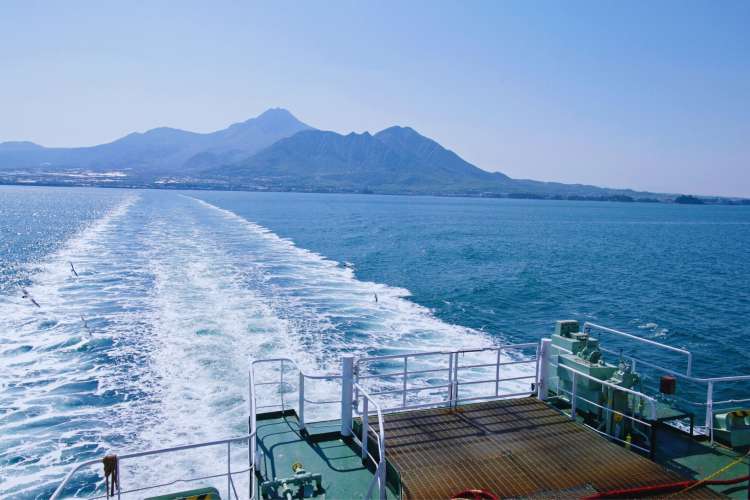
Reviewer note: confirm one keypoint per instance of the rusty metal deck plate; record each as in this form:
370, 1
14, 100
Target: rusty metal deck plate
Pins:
513, 448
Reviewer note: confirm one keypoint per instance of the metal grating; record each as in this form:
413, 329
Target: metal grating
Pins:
513, 448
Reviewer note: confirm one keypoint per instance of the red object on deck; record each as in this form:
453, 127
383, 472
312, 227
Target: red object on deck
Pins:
667, 384
661, 488
475, 495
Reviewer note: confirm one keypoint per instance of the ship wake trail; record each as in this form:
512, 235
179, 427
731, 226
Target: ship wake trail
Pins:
65, 391
178, 296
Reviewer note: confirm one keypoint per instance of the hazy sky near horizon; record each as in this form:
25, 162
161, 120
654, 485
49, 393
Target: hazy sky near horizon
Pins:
646, 95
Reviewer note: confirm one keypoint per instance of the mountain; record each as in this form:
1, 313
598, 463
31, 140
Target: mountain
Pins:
397, 159
276, 151
160, 151
394, 160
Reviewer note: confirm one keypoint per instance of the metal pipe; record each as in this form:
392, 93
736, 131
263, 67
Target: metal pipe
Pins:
365, 427
406, 375
301, 403
710, 411
543, 364
347, 381
117, 468
450, 380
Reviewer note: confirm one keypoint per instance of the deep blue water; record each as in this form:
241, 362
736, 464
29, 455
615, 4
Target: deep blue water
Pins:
177, 290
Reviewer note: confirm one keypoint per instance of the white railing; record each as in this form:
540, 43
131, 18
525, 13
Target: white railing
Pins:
405, 392
301, 397
231, 488
588, 327
379, 433
710, 384
574, 397
379, 478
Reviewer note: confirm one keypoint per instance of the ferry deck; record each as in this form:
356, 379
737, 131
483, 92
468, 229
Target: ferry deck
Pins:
565, 417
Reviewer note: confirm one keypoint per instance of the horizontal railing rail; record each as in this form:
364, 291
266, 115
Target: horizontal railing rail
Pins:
231, 489
454, 372
302, 398
380, 464
574, 397
709, 383
588, 327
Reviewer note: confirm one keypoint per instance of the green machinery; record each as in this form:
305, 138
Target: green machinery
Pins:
301, 480
733, 427
576, 356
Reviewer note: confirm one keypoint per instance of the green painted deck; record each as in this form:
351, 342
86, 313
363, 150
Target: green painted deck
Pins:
517, 448
282, 444
696, 460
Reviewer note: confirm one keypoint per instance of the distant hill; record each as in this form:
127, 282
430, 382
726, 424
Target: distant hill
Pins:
160, 151
395, 160
276, 151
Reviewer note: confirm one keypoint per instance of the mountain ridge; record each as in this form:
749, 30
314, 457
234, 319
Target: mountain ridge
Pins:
161, 150
276, 151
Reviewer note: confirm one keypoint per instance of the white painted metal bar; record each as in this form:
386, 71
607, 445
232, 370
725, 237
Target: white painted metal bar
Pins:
347, 387
587, 326
127, 456
406, 377
710, 411
301, 402
365, 426
497, 373
380, 464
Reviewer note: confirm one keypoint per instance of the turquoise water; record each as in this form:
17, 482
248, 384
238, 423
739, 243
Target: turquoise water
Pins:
175, 291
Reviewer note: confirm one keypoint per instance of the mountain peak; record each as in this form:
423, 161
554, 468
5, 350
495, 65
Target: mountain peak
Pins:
275, 113
400, 130
273, 119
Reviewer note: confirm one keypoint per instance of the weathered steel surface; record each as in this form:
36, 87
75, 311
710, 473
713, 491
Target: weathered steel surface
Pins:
513, 448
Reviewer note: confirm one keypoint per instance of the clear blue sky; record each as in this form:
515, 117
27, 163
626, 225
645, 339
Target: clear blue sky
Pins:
649, 95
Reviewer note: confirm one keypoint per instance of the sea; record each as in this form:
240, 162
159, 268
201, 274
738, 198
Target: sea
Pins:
128, 318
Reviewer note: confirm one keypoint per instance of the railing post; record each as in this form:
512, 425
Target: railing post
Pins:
119, 477
710, 411
497, 372
406, 374
347, 382
383, 467
251, 468
356, 387
229, 471
542, 376
301, 404
450, 380
365, 424
573, 397
455, 379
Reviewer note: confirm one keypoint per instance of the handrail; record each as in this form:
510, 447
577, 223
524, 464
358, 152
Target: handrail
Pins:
380, 469
58, 491
301, 387
616, 387
588, 326
453, 370
688, 376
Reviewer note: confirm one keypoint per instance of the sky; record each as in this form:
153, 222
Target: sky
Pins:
645, 95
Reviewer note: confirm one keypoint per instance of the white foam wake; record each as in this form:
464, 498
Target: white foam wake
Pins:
180, 295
